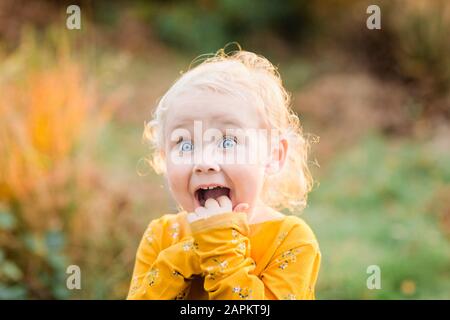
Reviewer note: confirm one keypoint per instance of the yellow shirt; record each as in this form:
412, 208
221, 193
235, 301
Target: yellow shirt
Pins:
224, 257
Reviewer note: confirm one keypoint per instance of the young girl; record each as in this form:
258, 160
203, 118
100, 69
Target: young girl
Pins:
232, 151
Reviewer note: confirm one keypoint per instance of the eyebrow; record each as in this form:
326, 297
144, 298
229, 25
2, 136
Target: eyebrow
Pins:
181, 124
227, 120
222, 120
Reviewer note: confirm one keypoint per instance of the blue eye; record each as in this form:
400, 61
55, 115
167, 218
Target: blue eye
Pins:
228, 142
186, 146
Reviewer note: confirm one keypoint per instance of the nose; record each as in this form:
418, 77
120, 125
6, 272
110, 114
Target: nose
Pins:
205, 160
206, 164
206, 167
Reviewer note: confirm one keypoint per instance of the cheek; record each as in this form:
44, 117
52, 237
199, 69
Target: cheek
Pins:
178, 179
247, 180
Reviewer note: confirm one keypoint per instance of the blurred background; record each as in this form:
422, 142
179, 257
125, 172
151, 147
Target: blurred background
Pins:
74, 188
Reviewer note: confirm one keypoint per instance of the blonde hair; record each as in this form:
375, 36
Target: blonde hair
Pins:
226, 72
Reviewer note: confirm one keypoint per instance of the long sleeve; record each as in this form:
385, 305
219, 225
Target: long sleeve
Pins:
293, 270
162, 274
224, 250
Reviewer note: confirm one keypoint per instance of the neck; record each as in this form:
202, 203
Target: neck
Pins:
256, 211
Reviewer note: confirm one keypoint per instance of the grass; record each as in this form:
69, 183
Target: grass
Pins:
373, 207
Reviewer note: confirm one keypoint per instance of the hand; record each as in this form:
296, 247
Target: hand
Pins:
215, 207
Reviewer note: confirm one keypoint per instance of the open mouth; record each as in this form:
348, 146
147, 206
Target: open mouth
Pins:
204, 193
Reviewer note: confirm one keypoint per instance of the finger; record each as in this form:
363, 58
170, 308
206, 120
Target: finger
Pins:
211, 203
201, 213
225, 203
241, 207
191, 217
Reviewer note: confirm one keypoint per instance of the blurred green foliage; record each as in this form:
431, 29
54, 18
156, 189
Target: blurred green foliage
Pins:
44, 252
205, 26
375, 207
413, 45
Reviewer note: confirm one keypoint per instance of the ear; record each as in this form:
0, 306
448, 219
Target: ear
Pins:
278, 156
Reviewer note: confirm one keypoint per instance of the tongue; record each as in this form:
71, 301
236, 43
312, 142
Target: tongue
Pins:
215, 193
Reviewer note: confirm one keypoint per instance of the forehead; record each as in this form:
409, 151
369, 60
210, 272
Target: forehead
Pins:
213, 109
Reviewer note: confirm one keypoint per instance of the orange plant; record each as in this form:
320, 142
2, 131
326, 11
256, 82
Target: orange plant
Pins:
47, 115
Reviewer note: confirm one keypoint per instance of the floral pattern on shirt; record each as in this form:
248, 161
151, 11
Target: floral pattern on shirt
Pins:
175, 230
281, 237
243, 293
152, 276
176, 273
287, 257
134, 285
290, 296
149, 235
234, 235
241, 246
182, 295
190, 245
160, 276
216, 270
